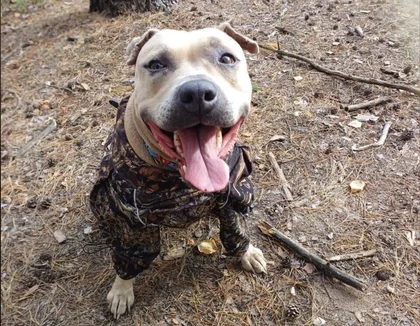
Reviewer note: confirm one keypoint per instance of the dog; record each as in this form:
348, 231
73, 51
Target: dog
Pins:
174, 154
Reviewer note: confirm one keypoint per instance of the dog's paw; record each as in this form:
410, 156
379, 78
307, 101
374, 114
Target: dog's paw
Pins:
121, 296
253, 260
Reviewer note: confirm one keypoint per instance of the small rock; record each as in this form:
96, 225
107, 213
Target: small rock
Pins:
87, 230
355, 124
384, 274
407, 69
358, 31
318, 321
68, 137
390, 289
298, 78
73, 38
59, 236
198, 234
330, 236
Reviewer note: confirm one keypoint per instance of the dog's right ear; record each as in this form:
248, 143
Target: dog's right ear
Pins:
133, 49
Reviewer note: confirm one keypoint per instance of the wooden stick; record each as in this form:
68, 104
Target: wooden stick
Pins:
283, 182
37, 138
365, 105
340, 74
354, 255
380, 142
321, 264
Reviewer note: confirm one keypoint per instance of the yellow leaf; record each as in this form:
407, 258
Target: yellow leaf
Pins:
357, 186
207, 247
272, 45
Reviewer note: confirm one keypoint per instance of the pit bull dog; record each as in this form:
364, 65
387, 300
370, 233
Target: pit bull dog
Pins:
174, 154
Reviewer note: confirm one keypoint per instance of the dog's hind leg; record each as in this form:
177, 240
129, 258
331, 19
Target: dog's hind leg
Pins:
235, 239
131, 256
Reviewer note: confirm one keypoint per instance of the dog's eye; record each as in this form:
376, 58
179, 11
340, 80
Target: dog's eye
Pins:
155, 65
227, 59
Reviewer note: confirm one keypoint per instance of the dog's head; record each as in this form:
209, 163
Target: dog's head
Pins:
192, 90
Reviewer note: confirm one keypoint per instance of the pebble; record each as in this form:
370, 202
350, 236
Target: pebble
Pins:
59, 236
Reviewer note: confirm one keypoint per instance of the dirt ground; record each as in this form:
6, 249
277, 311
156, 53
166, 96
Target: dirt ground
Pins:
60, 63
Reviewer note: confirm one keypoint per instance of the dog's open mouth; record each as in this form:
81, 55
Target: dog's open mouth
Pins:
199, 152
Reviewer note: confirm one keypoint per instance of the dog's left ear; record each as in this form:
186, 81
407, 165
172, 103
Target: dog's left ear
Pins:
245, 42
133, 49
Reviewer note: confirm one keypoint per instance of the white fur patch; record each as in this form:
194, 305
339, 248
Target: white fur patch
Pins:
253, 260
121, 296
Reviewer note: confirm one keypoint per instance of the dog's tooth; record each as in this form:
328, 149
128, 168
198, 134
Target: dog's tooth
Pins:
219, 139
179, 151
184, 168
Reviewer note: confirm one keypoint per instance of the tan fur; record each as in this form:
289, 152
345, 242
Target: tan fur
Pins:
189, 51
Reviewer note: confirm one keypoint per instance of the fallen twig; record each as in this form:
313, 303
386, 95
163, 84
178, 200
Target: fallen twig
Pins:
321, 264
354, 255
283, 182
380, 142
61, 88
36, 139
340, 74
284, 30
365, 105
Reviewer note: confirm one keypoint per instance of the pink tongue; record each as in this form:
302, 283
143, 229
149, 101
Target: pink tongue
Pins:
205, 170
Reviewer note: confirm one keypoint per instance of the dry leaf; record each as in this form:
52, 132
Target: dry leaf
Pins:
366, 117
207, 247
359, 316
355, 124
272, 45
85, 86
309, 268
278, 138
357, 186
174, 253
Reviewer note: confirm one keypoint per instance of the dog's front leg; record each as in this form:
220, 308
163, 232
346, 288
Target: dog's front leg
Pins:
235, 239
136, 251
121, 296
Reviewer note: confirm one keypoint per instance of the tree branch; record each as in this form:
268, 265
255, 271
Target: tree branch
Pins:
340, 74
321, 264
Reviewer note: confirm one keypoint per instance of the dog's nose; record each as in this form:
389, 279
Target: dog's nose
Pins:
198, 96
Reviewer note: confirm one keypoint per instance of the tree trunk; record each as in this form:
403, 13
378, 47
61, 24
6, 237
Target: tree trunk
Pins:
117, 7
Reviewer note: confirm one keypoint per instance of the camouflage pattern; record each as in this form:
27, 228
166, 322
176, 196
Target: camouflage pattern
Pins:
132, 198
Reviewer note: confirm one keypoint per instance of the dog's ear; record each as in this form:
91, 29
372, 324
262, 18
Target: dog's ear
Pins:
245, 42
133, 49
